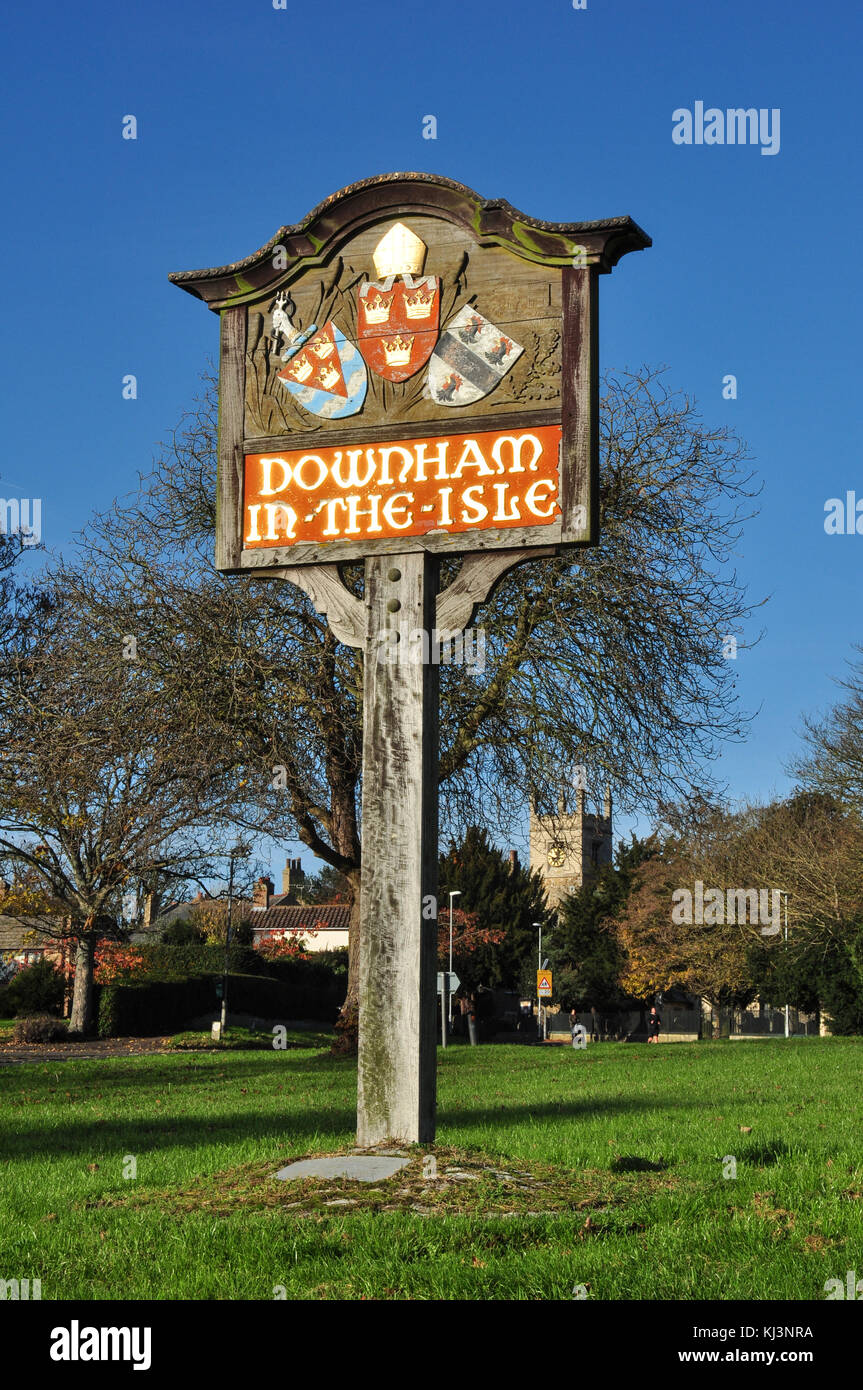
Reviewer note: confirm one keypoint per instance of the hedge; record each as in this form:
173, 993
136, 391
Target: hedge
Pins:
303, 997
321, 970
37, 989
148, 1007
153, 1006
181, 962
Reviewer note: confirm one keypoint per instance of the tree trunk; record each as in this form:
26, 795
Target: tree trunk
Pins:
345, 838
354, 942
347, 1026
81, 1020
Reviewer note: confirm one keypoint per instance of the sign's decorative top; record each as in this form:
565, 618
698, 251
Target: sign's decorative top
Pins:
408, 367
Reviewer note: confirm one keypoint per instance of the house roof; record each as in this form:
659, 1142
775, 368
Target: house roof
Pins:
326, 917
11, 934
184, 912
13, 931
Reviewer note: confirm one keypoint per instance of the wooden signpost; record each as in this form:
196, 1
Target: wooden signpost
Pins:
407, 373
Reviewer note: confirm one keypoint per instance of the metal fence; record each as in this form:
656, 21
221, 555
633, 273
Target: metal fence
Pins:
687, 1020
616, 1026
759, 1021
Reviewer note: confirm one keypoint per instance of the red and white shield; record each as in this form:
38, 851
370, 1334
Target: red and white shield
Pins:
398, 324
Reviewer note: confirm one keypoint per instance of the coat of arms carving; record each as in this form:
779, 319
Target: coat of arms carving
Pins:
399, 313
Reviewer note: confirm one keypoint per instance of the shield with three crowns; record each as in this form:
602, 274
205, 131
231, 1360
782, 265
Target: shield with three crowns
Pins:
325, 373
398, 323
471, 359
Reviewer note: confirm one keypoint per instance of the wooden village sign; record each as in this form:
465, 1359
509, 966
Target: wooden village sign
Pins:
409, 372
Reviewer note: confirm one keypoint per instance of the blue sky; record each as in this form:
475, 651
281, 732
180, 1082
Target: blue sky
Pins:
248, 116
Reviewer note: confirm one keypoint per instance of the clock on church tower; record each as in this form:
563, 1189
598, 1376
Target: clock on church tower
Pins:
568, 847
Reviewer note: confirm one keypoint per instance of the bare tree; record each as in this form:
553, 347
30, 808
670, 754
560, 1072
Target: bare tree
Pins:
796, 859
107, 780
811, 848
612, 659
833, 760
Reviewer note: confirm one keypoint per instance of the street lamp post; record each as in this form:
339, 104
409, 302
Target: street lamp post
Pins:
238, 852
539, 967
785, 901
456, 893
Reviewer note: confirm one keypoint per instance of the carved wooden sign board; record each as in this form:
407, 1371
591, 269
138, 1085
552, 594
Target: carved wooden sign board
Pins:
408, 373
409, 367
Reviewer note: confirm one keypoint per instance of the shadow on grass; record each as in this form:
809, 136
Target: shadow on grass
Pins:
765, 1154
173, 1069
139, 1136
89, 1137
633, 1163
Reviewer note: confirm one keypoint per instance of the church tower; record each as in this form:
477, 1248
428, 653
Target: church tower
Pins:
568, 847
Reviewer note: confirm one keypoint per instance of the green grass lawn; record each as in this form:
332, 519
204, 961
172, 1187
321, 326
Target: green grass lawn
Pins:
239, 1039
625, 1145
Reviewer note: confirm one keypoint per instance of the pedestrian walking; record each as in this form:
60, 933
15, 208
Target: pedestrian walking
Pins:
654, 1023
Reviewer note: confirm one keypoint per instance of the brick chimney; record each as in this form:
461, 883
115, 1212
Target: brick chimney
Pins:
293, 870
606, 809
261, 894
513, 860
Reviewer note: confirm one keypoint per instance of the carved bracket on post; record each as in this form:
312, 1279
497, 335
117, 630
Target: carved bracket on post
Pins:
480, 572
456, 605
345, 612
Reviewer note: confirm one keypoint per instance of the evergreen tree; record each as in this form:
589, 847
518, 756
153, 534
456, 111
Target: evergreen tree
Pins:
819, 975
328, 886
503, 897
780, 976
839, 981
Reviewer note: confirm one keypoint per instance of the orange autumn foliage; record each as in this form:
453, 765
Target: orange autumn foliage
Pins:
706, 960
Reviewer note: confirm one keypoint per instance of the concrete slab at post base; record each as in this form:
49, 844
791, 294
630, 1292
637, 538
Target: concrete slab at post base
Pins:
357, 1167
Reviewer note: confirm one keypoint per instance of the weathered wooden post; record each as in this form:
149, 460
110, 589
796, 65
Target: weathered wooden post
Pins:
398, 942
444, 403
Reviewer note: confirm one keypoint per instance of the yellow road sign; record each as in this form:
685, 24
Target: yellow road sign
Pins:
543, 984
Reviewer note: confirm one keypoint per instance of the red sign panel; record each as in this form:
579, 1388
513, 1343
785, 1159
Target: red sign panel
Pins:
407, 487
